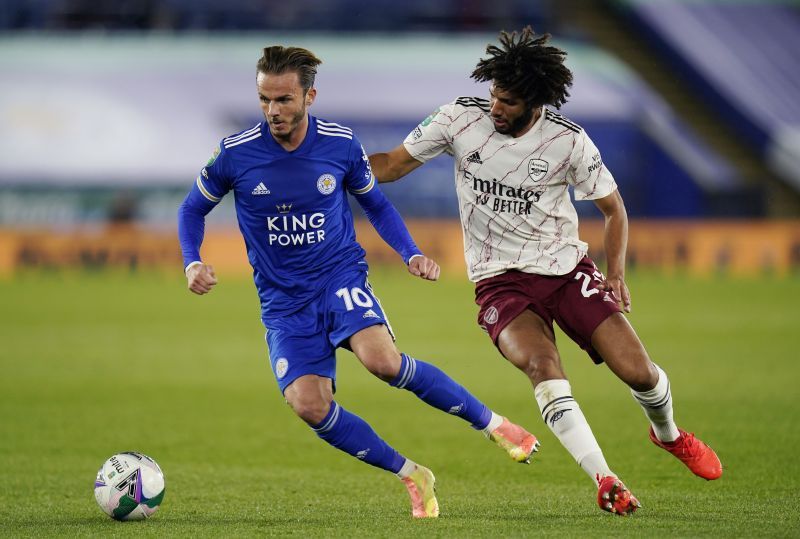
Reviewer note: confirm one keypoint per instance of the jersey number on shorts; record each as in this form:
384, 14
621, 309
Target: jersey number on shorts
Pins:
354, 295
585, 290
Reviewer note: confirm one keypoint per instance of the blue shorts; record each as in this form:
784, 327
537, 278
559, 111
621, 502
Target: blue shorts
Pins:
305, 342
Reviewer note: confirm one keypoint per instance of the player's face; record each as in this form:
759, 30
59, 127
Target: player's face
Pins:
510, 114
283, 102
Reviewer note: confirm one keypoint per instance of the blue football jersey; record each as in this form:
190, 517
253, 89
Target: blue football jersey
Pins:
292, 207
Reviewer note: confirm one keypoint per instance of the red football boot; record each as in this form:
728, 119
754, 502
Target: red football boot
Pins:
696, 455
613, 496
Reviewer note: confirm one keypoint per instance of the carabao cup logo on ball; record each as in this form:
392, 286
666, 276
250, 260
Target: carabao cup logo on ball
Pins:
326, 184
129, 486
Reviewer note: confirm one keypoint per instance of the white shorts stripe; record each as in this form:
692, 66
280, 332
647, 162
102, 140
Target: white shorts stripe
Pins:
378, 301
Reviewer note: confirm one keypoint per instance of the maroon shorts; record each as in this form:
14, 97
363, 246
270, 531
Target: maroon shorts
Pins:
572, 300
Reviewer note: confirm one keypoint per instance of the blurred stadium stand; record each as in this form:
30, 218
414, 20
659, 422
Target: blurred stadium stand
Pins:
297, 15
109, 108
723, 66
745, 59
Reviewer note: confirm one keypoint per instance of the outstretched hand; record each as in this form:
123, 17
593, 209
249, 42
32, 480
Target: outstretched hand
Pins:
619, 291
423, 267
201, 278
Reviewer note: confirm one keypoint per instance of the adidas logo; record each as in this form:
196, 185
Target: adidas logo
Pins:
456, 409
261, 189
361, 455
370, 314
475, 158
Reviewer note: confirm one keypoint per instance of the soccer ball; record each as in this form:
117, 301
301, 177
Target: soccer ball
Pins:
129, 486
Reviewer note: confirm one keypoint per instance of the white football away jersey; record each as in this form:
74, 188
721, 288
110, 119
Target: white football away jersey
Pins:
513, 196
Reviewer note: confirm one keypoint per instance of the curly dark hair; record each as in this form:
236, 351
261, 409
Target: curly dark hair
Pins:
278, 60
527, 67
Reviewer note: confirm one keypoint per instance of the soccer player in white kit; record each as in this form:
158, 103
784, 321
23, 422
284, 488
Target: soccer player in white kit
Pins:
515, 160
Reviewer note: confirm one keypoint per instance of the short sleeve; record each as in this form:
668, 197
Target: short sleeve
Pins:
215, 179
359, 179
589, 176
433, 136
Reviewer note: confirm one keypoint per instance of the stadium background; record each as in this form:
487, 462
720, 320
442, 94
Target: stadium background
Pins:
109, 108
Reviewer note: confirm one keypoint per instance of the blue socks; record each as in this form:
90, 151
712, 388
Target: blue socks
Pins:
355, 437
440, 391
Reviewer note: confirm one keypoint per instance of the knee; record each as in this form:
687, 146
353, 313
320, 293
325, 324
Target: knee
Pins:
539, 367
644, 378
385, 365
310, 408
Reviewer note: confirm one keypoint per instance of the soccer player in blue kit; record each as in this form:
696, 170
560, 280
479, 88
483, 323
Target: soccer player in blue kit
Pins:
290, 176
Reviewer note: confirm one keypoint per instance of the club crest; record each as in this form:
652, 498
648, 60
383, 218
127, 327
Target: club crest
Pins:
281, 367
537, 168
326, 184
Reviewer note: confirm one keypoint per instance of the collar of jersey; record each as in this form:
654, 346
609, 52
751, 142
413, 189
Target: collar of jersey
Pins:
534, 128
273, 146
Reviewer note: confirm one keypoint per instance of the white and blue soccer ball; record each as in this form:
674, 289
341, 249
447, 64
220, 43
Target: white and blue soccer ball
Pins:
129, 486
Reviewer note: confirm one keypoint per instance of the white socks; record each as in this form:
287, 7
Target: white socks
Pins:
407, 469
657, 406
565, 418
494, 422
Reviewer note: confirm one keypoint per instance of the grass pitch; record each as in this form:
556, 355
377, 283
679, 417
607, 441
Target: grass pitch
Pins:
93, 365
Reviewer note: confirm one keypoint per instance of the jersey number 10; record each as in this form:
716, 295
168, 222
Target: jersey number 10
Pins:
354, 296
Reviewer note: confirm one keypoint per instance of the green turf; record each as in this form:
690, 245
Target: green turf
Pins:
93, 365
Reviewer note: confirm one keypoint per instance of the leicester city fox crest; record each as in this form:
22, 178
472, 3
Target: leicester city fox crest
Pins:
281, 367
326, 184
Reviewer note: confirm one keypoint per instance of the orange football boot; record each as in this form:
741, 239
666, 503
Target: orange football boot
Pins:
518, 442
421, 489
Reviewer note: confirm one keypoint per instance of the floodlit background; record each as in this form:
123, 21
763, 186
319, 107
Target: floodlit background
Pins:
108, 110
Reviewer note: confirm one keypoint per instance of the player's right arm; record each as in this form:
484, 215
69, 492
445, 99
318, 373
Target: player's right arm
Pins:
201, 277
430, 138
392, 165
210, 186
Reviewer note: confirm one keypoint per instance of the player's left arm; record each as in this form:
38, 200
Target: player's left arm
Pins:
383, 216
391, 228
615, 239
593, 181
